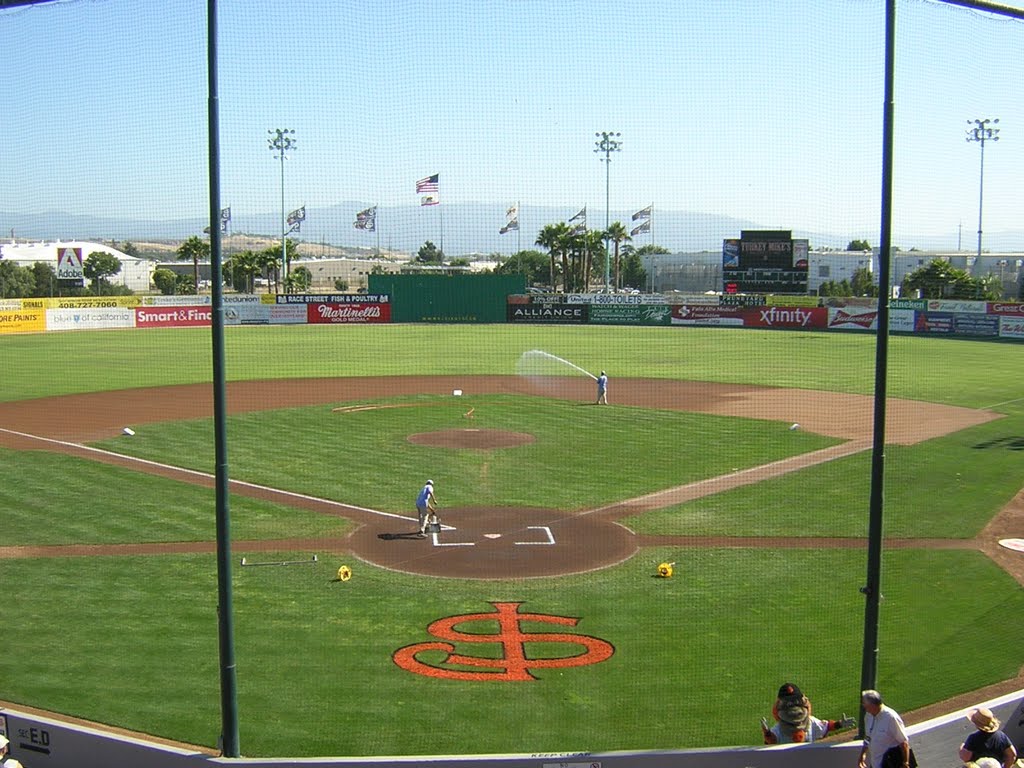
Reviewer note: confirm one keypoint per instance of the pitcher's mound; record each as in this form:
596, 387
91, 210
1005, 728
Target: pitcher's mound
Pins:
479, 439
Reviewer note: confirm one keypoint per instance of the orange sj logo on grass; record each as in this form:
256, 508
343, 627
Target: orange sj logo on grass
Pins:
514, 663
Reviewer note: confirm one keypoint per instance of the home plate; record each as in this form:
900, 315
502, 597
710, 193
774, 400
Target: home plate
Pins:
1017, 545
492, 535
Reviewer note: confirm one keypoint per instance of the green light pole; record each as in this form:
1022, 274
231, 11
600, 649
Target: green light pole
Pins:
281, 141
607, 143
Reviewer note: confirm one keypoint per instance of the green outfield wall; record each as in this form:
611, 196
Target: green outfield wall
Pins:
438, 298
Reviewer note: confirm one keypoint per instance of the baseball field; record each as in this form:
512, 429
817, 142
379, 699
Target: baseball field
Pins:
535, 620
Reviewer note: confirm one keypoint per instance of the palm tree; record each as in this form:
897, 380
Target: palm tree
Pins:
242, 267
554, 238
618, 234
593, 243
269, 261
192, 249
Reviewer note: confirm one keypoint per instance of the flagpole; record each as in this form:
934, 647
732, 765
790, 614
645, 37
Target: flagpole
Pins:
519, 232
376, 230
650, 231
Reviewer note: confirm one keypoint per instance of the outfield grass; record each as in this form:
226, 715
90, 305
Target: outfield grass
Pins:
963, 372
582, 456
51, 499
697, 657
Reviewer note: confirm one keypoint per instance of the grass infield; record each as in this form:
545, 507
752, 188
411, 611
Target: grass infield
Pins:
132, 640
582, 457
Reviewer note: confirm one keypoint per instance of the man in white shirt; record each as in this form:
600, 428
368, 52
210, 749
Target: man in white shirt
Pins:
883, 730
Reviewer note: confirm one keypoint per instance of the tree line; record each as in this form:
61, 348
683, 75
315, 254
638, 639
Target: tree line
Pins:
575, 261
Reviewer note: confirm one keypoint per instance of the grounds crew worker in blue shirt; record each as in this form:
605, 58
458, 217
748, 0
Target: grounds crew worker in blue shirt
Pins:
602, 389
425, 504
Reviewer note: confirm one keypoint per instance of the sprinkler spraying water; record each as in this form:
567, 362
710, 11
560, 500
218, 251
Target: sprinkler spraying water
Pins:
536, 362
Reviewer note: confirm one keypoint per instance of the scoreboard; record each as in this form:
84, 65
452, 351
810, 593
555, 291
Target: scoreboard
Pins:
764, 261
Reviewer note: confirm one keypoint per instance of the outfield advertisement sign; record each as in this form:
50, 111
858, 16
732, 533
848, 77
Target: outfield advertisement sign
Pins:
651, 314
786, 317
704, 315
1011, 327
915, 304
203, 300
852, 319
334, 298
975, 325
1006, 309
902, 320
89, 318
81, 302
264, 314
22, 321
172, 317
614, 298
956, 305
933, 322
348, 312
548, 313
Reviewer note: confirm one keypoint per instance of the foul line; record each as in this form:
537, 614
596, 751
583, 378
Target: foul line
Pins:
1005, 402
711, 485
208, 476
551, 536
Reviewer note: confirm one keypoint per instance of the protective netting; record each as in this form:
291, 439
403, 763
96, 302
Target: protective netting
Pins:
477, 134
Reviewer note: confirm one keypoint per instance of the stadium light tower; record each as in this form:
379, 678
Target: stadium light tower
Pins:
281, 141
607, 143
981, 132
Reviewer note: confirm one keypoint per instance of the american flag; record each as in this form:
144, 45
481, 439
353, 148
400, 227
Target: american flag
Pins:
428, 184
581, 216
643, 213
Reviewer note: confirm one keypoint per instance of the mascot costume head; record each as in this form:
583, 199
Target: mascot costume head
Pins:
792, 711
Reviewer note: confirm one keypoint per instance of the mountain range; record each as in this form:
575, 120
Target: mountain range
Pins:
460, 229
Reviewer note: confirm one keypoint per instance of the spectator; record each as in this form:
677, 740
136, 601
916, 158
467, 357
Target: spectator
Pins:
10, 762
885, 737
987, 742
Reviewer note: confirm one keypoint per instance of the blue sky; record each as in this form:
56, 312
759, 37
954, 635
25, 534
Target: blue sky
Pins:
767, 111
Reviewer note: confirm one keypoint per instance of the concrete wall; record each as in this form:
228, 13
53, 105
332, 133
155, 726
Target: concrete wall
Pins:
41, 742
